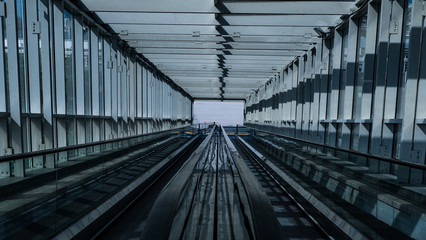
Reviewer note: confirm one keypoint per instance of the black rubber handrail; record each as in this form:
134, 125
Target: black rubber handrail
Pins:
78, 146
258, 159
160, 220
265, 222
367, 155
114, 214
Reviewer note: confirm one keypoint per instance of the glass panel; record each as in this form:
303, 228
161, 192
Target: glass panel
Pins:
330, 46
6, 70
40, 16
343, 70
404, 65
102, 129
71, 132
101, 77
355, 182
25, 128
65, 199
23, 88
69, 62
88, 130
86, 67
359, 79
406, 37
403, 77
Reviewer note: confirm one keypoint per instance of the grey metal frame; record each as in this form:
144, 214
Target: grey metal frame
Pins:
309, 110
46, 124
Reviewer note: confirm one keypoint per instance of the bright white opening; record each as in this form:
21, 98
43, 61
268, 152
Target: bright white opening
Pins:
226, 113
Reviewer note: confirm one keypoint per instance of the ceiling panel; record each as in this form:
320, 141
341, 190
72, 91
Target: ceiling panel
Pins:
243, 43
289, 7
270, 30
262, 52
172, 44
180, 51
158, 18
173, 37
166, 61
180, 56
280, 20
164, 29
165, 6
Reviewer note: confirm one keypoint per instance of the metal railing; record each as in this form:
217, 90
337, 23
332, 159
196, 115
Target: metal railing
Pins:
358, 187
63, 156
406, 172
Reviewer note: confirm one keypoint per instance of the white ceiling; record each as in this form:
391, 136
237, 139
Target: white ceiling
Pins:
240, 43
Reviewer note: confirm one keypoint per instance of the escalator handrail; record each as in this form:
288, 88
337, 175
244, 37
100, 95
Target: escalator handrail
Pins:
78, 146
265, 221
367, 155
160, 220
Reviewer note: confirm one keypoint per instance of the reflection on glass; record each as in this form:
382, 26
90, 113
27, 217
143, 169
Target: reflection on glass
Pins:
86, 68
69, 62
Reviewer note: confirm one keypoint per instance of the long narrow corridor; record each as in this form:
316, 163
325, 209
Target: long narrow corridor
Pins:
204, 119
